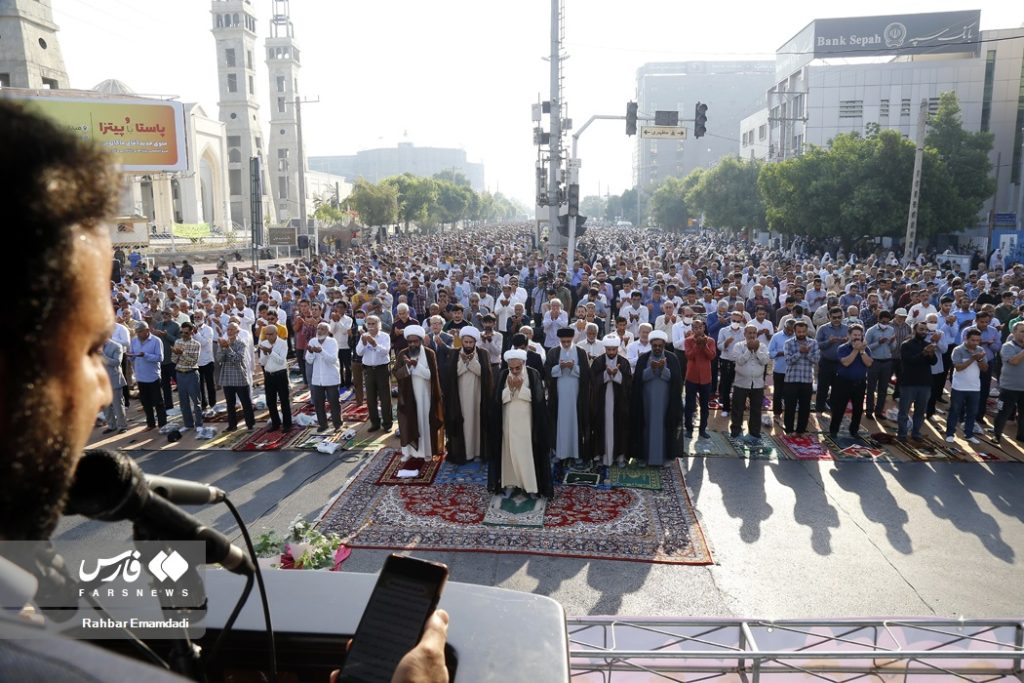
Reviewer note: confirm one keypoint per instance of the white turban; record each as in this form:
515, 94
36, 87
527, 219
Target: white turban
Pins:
414, 331
658, 334
470, 332
611, 342
515, 354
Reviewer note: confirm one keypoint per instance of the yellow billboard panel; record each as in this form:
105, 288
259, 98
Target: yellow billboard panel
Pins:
142, 135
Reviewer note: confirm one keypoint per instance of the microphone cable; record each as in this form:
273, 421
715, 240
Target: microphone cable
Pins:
219, 643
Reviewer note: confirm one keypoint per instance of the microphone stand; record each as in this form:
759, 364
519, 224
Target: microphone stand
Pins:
185, 656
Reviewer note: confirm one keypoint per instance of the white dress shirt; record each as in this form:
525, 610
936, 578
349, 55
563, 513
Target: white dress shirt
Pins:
374, 355
277, 359
326, 370
205, 336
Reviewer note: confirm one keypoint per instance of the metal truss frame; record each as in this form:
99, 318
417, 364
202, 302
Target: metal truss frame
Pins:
608, 649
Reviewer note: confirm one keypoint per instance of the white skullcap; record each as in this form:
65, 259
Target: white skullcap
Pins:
515, 354
470, 332
611, 342
414, 331
658, 334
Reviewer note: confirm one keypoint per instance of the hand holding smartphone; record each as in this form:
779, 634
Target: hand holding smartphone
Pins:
401, 605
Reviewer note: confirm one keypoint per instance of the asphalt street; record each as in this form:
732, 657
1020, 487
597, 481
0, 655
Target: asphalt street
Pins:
791, 539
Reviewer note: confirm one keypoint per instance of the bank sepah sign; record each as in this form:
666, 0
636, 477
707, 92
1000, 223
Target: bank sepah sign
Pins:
898, 34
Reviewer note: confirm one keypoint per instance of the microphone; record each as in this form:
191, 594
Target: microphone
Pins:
183, 491
111, 487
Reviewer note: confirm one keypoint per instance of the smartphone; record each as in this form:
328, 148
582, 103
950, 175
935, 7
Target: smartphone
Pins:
406, 594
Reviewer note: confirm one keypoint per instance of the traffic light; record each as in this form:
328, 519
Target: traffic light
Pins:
631, 108
574, 199
563, 225
700, 120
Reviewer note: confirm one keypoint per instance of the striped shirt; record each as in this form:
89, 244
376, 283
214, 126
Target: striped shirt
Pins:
800, 366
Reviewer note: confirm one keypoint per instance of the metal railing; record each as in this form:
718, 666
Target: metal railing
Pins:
610, 649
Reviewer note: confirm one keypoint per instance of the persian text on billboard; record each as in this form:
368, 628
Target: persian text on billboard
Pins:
141, 135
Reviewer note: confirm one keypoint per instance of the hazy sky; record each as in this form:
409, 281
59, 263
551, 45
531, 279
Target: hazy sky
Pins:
454, 73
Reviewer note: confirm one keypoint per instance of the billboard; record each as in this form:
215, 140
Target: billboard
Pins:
899, 34
281, 237
143, 135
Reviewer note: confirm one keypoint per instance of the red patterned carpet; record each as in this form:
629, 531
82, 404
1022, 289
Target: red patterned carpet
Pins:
640, 525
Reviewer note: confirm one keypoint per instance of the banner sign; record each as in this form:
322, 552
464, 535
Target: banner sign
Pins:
898, 34
142, 135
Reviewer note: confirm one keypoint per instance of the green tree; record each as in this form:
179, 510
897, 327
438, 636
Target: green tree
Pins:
857, 187
965, 155
415, 197
688, 184
727, 195
453, 202
593, 206
668, 205
325, 211
452, 176
376, 203
613, 207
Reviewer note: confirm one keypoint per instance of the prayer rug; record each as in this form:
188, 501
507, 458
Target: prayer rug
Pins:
861, 449
592, 523
412, 472
578, 478
983, 452
470, 473
803, 447
927, 449
309, 439
763, 448
356, 413
716, 446
266, 440
224, 440
519, 510
635, 477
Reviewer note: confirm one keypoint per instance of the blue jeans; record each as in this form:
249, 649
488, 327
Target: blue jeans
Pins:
919, 397
189, 399
957, 404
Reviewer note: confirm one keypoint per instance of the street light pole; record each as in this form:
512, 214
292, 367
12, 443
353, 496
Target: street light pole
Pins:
915, 189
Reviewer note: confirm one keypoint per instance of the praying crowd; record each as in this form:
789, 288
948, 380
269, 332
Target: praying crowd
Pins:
479, 344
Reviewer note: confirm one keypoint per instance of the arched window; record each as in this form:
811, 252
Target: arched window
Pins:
234, 156
220, 22
236, 22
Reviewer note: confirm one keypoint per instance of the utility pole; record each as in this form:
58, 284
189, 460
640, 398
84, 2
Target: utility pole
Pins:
1020, 184
555, 140
303, 221
915, 188
995, 198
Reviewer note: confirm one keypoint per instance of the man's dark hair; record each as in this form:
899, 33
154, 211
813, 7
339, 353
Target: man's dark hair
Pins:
54, 189
972, 333
50, 183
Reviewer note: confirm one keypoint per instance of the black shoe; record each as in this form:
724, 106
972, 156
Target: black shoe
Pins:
388, 427
704, 435
230, 429
275, 428
689, 433
287, 428
122, 430
734, 436
374, 428
321, 430
833, 435
942, 400
997, 440
108, 430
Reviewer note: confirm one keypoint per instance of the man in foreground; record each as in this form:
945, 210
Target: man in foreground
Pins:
58, 191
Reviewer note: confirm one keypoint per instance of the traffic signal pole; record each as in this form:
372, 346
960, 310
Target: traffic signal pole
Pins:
574, 173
